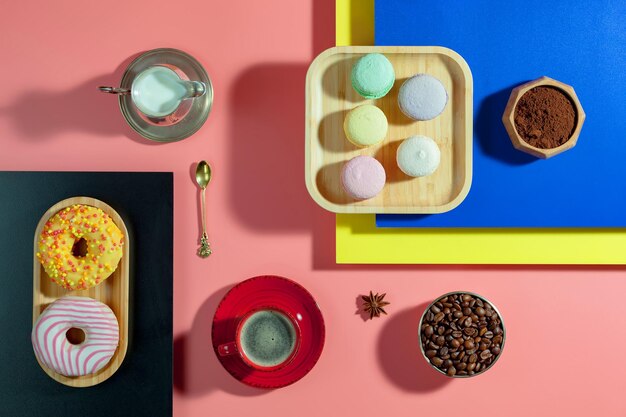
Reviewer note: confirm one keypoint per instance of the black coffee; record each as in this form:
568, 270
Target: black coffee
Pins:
268, 338
461, 334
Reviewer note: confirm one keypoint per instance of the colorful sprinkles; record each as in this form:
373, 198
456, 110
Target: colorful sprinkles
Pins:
104, 247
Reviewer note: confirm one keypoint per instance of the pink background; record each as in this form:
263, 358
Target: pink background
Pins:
566, 326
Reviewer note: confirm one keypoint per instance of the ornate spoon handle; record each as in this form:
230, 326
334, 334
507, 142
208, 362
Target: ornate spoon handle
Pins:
205, 248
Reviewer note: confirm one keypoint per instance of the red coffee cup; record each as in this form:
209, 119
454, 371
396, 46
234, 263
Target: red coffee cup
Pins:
267, 339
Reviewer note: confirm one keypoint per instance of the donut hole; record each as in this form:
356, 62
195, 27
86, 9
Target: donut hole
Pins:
75, 335
79, 249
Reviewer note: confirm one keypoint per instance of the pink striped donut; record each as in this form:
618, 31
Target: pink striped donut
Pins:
95, 319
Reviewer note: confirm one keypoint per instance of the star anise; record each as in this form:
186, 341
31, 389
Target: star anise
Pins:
374, 304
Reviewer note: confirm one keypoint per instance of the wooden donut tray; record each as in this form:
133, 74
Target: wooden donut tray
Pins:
329, 97
113, 292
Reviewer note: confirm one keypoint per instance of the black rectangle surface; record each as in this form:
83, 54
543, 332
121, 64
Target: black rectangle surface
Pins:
142, 386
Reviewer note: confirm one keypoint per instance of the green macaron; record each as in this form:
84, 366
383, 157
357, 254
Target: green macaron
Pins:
373, 76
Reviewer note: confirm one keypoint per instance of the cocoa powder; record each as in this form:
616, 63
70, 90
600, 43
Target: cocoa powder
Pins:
545, 117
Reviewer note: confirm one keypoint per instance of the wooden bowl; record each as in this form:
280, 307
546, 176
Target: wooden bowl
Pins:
508, 118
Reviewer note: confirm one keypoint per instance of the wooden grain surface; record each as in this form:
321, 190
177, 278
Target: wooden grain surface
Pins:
113, 292
329, 96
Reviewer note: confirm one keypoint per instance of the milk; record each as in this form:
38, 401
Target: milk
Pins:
158, 91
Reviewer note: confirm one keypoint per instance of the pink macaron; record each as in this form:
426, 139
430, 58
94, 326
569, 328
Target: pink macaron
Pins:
363, 177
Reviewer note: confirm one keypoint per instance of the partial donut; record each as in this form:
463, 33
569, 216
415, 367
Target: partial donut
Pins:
101, 336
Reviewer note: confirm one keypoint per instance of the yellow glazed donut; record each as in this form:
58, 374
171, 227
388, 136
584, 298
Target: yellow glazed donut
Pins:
80, 247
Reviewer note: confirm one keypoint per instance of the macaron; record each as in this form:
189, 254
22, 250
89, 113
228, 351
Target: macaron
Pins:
365, 125
418, 156
422, 97
373, 76
363, 177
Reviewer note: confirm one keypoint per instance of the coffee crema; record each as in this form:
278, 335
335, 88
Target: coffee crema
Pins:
268, 338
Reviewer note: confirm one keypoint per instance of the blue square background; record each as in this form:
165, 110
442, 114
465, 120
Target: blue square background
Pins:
507, 43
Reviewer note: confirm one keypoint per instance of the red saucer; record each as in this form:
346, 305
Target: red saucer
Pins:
280, 292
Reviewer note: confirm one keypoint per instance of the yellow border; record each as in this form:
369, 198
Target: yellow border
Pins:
360, 242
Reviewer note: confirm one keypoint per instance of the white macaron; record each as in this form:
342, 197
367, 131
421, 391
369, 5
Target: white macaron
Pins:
418, 156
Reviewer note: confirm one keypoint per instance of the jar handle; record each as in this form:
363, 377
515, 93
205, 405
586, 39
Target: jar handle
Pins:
115, 90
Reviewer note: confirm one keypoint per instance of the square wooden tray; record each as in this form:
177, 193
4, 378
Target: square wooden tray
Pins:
329, 97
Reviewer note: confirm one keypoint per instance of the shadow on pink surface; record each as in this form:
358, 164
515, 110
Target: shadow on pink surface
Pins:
399, 353
41, 114
359, 308
197, 371
267, 163
267, 158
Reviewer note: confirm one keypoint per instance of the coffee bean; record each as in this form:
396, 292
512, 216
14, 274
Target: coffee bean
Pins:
480, 311
435, 310
451, 371
469, 344
496, 350
485, 354
466, 297
431, 353
456, 334
470, 331
497, 339
468, 322
483, 346
461, 366
473, 358
479, 302
471, 366
440, 340
441, 330
457, 314
497, 330
489, 334
482, 331
455, 343
436, 361
428, 331
447, 363
443, 351
438, 317
461, 373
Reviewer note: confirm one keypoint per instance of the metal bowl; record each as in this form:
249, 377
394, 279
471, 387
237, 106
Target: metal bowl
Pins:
188, 118
419, 333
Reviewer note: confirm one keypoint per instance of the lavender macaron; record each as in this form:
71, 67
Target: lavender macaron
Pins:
363, 177
422, 97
